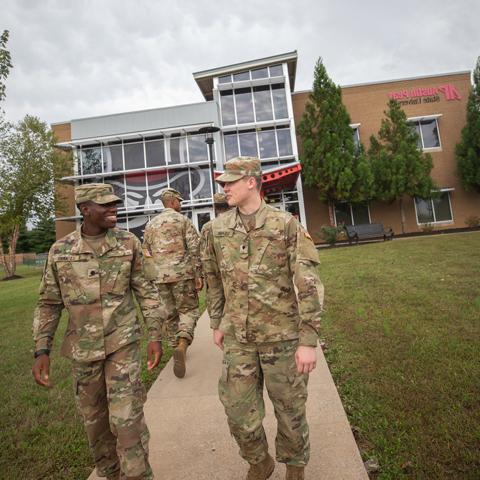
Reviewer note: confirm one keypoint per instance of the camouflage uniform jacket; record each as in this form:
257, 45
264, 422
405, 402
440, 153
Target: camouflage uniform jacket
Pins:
263, 286
97, 293
170, 248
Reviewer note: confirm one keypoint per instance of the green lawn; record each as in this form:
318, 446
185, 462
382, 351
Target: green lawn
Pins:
403, 342
402, 329
41, 434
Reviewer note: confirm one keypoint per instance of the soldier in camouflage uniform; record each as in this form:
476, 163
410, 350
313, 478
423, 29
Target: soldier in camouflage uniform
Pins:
92, 273
172, 262
264, 299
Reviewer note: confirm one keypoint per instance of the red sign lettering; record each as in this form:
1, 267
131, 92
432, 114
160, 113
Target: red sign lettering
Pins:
449, 91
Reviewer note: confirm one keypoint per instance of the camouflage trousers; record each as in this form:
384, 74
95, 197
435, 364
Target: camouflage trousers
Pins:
110, 397
245, 368
180, 300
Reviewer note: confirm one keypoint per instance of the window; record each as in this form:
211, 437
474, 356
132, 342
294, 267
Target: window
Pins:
201, 183
276, 71
136, 193
155, 151
118, 184
352, 213
244, 104
91, 160
197, 149
427, 131
228, 109
231, 145
133, 156
112, 158
263, 103
241, 77
178, 149
356, 136
279, 101
179, 181
260, 73
267, 143
434, 210
248, 144
284, 142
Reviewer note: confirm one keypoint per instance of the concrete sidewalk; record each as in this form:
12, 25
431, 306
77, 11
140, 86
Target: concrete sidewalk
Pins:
190, 439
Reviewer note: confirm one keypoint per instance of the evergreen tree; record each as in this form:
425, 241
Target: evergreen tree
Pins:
399, 166
331, 162
468, 150
5, 62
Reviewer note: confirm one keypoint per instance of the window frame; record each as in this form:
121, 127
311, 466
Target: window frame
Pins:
413, 121
351, 213
435, 222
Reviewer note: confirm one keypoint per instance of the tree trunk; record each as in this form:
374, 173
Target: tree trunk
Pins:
402, 215
330, 213
8, 260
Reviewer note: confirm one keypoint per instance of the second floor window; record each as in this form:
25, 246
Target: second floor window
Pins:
427, 131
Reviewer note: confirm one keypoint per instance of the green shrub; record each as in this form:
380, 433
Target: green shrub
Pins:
473, 221
332, 234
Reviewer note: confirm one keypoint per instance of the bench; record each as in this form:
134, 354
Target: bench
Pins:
367, 231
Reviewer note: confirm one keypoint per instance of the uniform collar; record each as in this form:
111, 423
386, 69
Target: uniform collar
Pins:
81, 246
235, 222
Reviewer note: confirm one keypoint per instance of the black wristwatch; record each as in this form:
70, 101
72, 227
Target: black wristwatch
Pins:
42, 351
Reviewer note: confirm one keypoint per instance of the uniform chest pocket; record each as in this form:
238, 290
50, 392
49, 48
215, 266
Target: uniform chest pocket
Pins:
76, 277
269, 254
116, 271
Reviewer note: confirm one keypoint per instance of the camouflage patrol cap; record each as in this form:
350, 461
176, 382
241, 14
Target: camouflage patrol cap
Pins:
170, 192
95, 192
220, 199
240, 167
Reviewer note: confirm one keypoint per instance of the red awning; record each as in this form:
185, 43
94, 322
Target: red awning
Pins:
276, 179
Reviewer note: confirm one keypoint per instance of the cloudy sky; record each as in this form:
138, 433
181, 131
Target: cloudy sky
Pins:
80, 58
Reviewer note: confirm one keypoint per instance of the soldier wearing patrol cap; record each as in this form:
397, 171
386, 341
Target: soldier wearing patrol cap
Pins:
172, 262
264, 298
92, 273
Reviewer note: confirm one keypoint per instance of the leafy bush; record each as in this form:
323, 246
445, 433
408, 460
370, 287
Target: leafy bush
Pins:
473, 221
332, 234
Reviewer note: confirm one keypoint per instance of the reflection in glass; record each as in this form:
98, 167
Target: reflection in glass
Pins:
284, 142
178, 149
276, 71
225, 79
122, 221
263, 103
430, 133
240, 77
342, 214
179, 181
157, 181
294, 209
133, 156
259, 73
155, 151
243, 101
112, 158
279, 101
136, 194
424, 210
231, 145
228, 109
118, 184
416, 128
267, 144
248, 144
197, 148
360, 213
91, 160
442, 208
200, 183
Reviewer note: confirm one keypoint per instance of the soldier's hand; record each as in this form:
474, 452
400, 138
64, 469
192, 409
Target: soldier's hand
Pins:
198, 283
218, 338
154, 354
41, 371
306, 359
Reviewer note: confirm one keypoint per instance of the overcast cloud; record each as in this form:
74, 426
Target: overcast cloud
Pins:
80, 58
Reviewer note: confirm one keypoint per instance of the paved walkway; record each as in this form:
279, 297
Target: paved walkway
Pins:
190, 439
